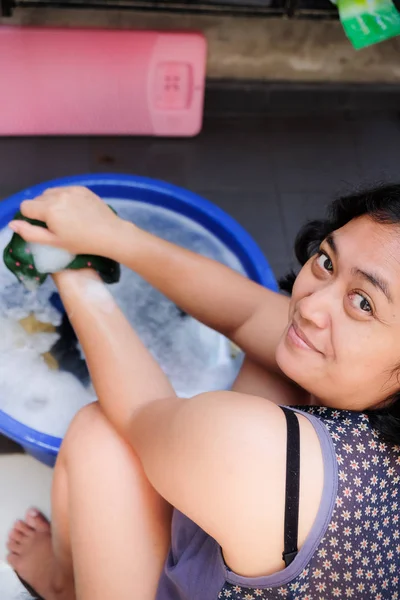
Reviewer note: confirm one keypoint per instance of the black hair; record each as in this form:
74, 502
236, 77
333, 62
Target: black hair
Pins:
382, 204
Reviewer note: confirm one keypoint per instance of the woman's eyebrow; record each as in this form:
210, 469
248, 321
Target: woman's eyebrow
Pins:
378, 282
330, 240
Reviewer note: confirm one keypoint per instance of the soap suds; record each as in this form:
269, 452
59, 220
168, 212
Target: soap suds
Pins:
96, 293
48, 259
32, 392
195, 358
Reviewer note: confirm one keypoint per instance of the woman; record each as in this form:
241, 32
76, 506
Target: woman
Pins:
259, 512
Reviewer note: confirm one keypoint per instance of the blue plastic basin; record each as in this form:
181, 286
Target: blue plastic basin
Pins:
128, 187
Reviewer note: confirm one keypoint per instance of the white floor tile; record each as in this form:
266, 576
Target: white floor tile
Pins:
10, 586
25, 482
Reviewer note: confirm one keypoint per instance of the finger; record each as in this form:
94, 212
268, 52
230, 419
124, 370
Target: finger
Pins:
36, 235
34, 209
55, 191
51, 190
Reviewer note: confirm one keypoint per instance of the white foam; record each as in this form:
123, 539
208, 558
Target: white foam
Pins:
50, 260
195, 358
31, 392
16, 301
97, 293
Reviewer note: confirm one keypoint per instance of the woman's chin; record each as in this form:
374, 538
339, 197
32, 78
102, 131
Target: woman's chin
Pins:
290, 363
298, 369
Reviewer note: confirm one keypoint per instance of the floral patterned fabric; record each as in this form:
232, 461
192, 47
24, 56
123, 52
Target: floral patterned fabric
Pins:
358, 556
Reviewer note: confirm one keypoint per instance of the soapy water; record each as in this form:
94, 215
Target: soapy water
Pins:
50, 260
195, 358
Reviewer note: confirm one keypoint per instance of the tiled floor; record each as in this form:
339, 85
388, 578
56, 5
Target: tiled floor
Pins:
270, 174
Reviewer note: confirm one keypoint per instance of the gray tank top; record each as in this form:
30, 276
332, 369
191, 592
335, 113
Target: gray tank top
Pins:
353, 549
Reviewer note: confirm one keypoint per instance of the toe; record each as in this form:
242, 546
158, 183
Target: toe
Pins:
13, 560
36, 520
22, 528
18, 530
16, 536
14, 547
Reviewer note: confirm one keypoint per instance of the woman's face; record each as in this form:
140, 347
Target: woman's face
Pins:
342, 342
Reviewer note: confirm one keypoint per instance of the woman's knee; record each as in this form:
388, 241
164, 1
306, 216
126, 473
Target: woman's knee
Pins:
92, 447
91, 414
89, 431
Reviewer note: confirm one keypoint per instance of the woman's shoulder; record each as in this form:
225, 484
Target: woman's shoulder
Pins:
234, 446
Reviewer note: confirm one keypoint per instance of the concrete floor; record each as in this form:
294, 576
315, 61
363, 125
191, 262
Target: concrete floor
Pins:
249, 48
270, 174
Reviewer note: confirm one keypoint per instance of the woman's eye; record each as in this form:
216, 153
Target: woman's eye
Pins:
359, 301
324, 262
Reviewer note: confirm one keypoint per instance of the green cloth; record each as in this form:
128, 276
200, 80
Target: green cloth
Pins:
19, 260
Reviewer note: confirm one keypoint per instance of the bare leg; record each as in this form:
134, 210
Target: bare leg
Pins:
110, 530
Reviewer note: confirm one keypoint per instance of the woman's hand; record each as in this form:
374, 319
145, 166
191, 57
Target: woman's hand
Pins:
77, 220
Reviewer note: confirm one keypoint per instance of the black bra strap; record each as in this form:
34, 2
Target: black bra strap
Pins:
292, 486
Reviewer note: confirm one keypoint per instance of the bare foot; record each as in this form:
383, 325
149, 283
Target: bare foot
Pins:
31, 556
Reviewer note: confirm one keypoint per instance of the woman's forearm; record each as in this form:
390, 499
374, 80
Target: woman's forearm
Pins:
81, 223
209, 291
125, 375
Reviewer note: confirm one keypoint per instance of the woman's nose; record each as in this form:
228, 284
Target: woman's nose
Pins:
315, 308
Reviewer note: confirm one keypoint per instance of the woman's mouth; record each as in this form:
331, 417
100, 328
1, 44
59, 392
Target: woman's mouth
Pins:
298, 338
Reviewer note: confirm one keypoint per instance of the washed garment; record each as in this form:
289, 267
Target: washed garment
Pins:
19, 260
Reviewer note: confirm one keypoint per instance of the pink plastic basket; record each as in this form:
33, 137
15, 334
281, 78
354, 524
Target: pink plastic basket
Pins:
101, 82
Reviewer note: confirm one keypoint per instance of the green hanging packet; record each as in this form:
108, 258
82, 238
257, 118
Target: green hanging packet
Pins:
19, 260
368, 22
